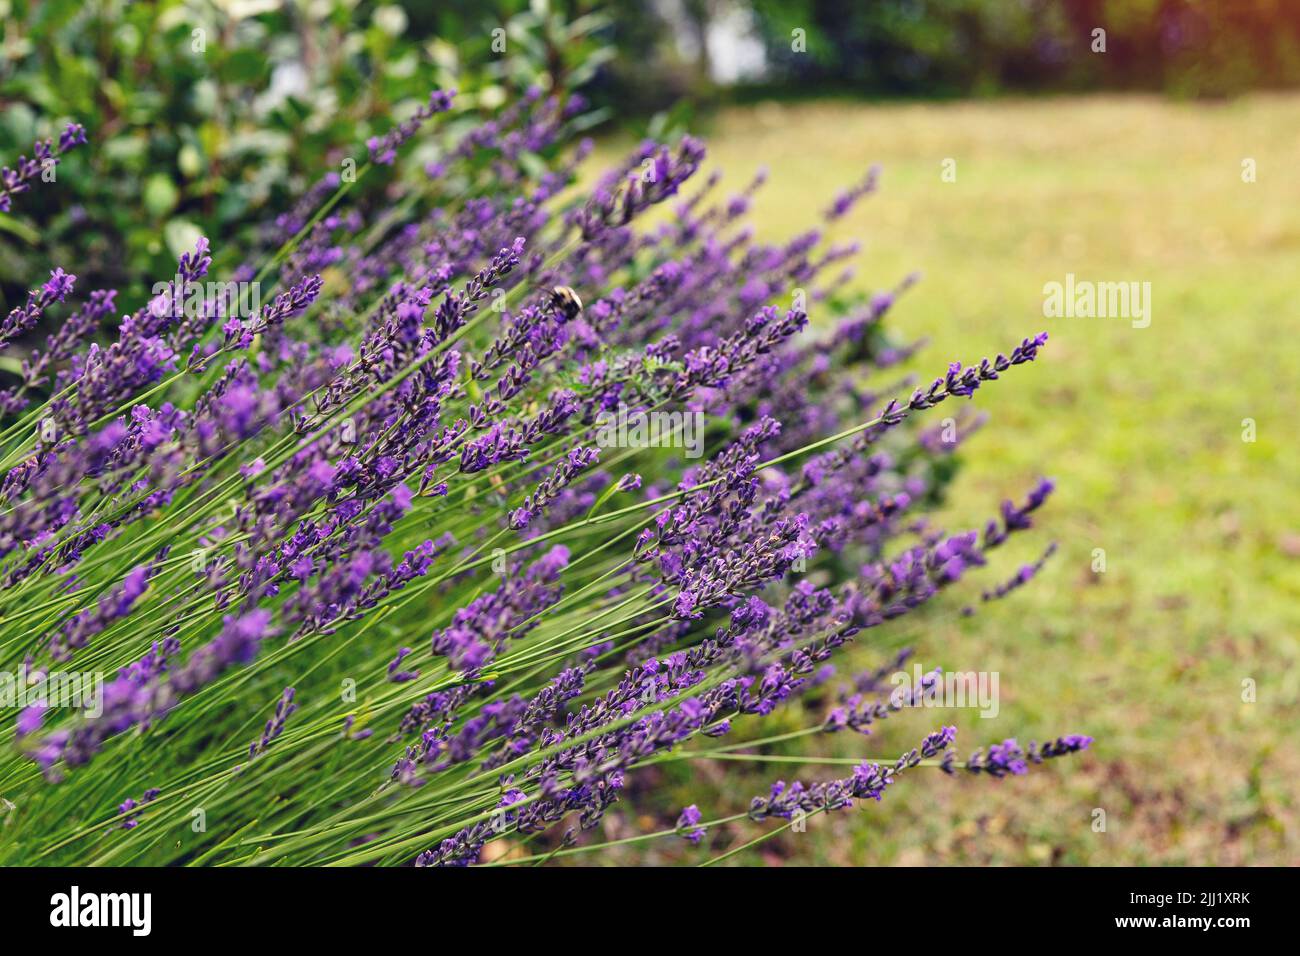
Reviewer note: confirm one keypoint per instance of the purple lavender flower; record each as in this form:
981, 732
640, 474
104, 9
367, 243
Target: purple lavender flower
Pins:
30, 719
383, 149
132, 809
847, 199
112, 606
25, 316
284, 708
45, 155
480, 629
1022, 577
1009, 758
688, 824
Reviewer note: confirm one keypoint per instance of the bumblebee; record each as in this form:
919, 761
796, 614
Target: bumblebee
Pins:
565, 301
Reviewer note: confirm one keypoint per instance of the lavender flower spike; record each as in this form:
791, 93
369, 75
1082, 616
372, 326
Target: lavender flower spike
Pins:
45, 156
25, 316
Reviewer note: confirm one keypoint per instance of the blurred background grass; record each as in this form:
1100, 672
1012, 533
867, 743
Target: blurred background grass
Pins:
1142, 428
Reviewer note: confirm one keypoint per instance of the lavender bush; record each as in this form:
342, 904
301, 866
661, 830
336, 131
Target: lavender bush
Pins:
417, 555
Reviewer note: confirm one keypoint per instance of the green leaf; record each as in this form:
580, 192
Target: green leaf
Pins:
181, 236
244, 66
189, 160
19, 229
160, 195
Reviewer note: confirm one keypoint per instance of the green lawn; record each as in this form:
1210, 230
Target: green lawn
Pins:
1141, 428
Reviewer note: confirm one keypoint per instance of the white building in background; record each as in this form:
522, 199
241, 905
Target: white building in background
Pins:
732, 42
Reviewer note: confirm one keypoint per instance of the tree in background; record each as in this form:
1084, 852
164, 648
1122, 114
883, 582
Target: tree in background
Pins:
962, 47
209, 114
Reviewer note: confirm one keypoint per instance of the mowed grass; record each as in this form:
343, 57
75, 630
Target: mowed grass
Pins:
1142, 430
